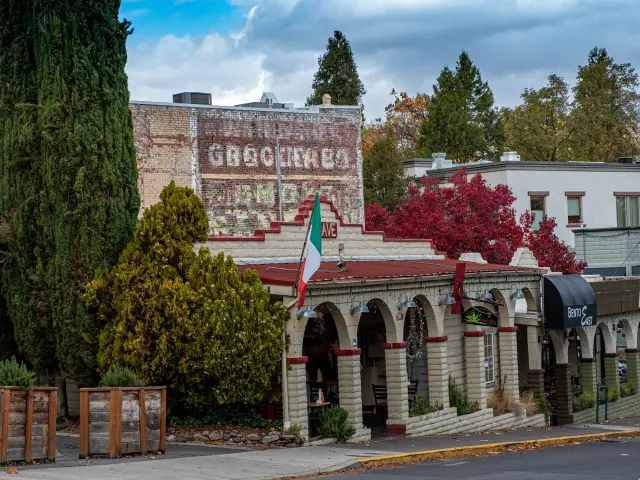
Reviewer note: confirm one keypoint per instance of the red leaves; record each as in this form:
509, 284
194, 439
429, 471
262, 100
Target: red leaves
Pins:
469, 215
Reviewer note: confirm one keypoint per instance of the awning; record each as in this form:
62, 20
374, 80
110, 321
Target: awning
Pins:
569, 302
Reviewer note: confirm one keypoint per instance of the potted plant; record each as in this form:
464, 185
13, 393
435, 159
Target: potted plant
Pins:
27, 416
121, 417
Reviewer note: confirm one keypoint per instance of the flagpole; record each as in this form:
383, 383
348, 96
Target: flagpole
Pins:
295, 285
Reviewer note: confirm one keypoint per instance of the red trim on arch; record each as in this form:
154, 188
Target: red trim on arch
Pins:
507, 329
397, 429
347, 353
389, 346
474, 334
436, 339
297, 360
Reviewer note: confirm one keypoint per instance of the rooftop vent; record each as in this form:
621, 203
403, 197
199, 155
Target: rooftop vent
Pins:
192, 98
440, 161
624, 160
510, 157
326, 99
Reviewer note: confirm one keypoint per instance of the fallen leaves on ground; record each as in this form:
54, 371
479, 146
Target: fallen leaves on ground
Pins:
11, 471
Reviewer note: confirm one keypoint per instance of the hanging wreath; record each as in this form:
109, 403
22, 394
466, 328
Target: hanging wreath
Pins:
416, 334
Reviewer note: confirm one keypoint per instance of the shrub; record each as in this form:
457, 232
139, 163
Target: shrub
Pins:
584, 401
240, 416
627, 389
614, 394
14, 374
498, 400
527, 403
422, 406
457, 398
543, 407
333, 424
120, 377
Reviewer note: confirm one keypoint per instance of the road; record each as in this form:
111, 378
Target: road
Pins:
593, 461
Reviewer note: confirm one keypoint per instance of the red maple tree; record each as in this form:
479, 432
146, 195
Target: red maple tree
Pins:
469, 215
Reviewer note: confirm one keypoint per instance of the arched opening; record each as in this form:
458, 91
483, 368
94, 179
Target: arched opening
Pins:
415, 331
372, 335
575, 356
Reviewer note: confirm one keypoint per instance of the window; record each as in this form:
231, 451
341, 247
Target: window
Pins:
537, 208
489, 367
574, 210
628, 211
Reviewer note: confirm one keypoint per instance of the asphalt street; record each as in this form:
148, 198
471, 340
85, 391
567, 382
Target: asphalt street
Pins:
591, 461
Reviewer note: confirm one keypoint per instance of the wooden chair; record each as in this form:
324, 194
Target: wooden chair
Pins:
380, 399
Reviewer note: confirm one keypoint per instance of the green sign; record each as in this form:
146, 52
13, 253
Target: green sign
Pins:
480, 316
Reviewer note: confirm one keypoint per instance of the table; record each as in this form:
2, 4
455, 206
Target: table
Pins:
315, 411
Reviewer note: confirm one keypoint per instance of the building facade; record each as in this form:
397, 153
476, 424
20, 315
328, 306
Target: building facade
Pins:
578, 195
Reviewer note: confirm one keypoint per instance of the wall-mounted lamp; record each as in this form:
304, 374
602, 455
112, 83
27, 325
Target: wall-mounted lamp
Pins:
518, 294
487, 296
306, 313
360, 308
446, 299
408, 303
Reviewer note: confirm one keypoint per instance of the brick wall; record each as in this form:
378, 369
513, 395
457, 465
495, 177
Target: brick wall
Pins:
228, 155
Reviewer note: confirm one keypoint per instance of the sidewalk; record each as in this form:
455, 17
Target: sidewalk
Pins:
233, 464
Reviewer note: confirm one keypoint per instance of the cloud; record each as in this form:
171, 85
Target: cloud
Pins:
396, 43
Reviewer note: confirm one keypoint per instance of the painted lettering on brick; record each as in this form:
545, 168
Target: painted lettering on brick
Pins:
329, 230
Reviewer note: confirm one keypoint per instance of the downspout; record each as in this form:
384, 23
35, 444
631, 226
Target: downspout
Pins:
285, 391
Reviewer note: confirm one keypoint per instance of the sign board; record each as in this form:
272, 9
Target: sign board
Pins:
580, 315
569, 302
329, 230
480, 316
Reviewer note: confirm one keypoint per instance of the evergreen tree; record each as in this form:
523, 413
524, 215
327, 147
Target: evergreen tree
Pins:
606, 112
383, 174
538, 128
69, 175
337, 75
462, 120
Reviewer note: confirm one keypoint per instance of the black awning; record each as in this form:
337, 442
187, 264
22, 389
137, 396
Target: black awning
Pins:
569, 302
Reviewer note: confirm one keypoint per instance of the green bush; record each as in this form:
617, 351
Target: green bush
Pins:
457, 398
584, 401
543, 407
240, 416
183, 319
627, 389
614, 395
333, 424
14, 374
422, 406
120, 377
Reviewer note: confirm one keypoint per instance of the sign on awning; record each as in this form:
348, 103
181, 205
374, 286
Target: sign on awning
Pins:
569, 302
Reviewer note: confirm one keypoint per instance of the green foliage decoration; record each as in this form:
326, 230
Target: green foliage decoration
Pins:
120, 377
627, 389
457, 398
333, 424
584, 401
14, 374
183, 319
422, 406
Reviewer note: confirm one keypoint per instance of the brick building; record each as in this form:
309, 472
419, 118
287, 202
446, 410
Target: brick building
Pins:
230, 155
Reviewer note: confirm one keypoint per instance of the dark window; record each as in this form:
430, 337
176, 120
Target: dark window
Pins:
574, 209
635, 270
628, 212
607, 272
538, 210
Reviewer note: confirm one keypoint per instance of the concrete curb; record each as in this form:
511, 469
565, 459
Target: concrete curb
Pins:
400, 458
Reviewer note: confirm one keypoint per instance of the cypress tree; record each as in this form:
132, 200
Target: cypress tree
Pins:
89, 171
337, 75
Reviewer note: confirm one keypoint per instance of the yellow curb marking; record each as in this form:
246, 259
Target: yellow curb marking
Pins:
492, 447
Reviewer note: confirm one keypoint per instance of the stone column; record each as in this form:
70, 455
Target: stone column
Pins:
395, 355
350, 391
588, 375
476, 383
438, 372
633, 366
611, 372
564, 393
535, 374
297, 392
507, 338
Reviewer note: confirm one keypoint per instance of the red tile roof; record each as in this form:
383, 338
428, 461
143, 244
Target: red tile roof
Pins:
285, 273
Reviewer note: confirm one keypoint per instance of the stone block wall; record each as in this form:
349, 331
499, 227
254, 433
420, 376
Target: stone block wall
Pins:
623, 408
228, 155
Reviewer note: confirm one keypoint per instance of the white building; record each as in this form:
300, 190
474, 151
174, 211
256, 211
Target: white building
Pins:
578, 195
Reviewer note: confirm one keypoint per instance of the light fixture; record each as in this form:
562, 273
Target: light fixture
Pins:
517, 294
545, 339
487, 296
446, 299
307, 313
408, 303
360, 308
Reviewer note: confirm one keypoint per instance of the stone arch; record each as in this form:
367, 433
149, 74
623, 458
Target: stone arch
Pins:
434, 327
506, 315
606, 330
532, 303
631, 333
587, 337
378, 305
339, 320
560, 346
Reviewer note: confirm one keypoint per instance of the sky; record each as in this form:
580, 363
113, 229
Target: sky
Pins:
237, 49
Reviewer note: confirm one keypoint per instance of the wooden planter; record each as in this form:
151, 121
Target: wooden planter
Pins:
28, 424
122, 421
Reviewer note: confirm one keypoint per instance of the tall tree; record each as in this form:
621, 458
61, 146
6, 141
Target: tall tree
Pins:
606, 110
462, 120
404, 117
538, 128
383, 174
337, 75
69, 175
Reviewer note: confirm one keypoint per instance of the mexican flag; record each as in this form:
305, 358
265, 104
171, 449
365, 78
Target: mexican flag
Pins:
312, 252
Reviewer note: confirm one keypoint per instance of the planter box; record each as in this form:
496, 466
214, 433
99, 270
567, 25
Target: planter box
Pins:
28, 424
122, 421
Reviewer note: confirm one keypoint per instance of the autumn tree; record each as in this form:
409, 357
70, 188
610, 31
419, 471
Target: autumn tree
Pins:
404, 117
337, 75
538, 129
462, 120
383, 174
606, 111
183, 318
